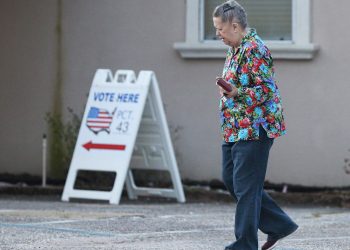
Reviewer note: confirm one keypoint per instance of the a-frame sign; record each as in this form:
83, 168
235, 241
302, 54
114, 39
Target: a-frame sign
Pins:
124, 127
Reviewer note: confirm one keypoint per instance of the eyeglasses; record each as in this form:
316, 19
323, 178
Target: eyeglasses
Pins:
226, 7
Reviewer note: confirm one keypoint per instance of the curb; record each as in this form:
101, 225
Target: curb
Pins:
199, 194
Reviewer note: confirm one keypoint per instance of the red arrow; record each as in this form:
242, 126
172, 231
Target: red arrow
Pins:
90, 145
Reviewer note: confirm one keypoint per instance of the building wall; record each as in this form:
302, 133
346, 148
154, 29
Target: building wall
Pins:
139, 35
27, 73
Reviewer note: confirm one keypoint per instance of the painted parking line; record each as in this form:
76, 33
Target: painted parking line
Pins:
107, 234
52, 222
42, 226
65, 221
226, 229
147, 234
319, 238
57, 229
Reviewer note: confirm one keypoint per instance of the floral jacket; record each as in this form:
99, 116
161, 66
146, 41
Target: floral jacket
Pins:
250, 69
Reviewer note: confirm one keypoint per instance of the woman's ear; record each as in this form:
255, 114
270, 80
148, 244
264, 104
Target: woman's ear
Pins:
235, 26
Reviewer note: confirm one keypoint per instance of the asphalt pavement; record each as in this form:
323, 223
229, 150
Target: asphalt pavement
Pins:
31, 222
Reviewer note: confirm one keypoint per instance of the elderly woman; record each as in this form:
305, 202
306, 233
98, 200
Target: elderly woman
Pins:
251, 117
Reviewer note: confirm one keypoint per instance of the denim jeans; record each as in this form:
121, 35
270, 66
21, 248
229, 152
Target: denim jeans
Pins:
244, 168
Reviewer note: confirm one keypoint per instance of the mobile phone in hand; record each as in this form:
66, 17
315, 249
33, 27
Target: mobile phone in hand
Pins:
223, 84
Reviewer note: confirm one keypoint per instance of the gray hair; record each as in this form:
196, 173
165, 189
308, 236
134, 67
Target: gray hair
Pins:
231, 11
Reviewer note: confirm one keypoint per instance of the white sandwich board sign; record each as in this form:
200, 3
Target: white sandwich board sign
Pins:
123, 128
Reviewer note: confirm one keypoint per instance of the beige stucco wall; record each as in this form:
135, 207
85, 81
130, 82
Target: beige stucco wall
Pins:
140, 35
26, 81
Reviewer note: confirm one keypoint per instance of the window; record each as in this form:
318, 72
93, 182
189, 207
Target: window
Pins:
283, 24
271, 18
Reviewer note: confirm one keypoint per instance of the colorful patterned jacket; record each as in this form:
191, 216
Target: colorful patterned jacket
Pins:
250, 69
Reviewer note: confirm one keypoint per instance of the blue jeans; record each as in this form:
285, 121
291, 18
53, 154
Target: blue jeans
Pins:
244, 168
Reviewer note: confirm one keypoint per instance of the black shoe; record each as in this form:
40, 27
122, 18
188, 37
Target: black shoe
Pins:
270, 244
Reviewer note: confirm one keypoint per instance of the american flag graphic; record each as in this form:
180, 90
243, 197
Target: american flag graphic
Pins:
99, 120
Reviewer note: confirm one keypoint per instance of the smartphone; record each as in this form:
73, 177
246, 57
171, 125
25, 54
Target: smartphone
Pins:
223, 84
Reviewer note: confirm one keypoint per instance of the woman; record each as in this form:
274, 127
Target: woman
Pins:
251, 117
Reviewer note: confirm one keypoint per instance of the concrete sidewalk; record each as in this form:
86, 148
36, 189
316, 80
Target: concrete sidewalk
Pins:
29, 223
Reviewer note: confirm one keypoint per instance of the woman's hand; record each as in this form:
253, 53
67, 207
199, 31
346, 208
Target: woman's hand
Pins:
231, 94
223, 92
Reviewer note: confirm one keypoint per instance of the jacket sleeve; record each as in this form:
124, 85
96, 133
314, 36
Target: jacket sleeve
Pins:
257, 78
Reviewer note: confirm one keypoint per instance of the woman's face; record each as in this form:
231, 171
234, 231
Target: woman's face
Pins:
228, 32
